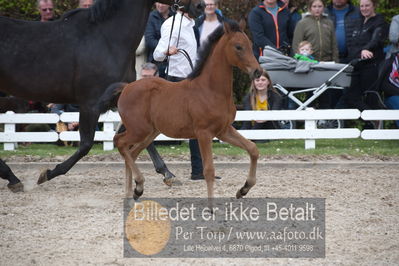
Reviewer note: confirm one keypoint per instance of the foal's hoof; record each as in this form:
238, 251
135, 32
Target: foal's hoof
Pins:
136, 197
43, 177
137, 194
241, 192
18, 187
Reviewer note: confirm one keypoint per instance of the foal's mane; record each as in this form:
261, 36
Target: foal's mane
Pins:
206, 49
102, 9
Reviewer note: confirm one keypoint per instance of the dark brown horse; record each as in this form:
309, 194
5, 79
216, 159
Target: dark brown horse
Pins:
74, 60
200, 107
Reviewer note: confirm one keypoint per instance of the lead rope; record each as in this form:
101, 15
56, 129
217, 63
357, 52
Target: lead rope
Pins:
175, 7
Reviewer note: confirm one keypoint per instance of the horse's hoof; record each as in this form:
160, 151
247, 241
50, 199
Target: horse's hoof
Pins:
168, 181
43, 177
168, 175
241, 192
136, 197
172, 181
18, 187
137, 194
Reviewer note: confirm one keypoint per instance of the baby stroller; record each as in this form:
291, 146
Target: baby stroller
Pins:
301, 76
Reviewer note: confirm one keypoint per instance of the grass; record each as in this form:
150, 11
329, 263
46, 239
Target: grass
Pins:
352, 147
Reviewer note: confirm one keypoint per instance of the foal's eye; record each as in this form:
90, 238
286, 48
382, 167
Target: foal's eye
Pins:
239, 47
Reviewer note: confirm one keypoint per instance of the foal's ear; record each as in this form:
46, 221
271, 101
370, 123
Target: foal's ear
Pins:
242, 24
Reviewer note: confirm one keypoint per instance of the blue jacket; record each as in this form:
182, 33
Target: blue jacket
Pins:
352, 20
266, 32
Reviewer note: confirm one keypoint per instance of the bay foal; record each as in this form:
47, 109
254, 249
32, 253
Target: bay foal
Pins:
200, 107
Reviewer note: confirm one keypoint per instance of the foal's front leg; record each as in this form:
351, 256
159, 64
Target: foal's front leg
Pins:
205, 145
232, 136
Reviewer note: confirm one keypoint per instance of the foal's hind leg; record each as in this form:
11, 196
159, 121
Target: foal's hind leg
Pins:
232, 136
159, 164
130, 152
123, 148
134, 153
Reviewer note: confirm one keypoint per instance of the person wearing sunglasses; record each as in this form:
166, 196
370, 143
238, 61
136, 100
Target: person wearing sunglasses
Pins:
46, 10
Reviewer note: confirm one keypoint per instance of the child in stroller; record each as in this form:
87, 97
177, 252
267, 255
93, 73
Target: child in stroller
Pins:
305, 52
302, 76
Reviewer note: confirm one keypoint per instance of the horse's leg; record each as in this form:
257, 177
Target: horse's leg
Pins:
88, 118
15, 185
123, 148
159, 164
205, 145
122, 142
134, 153
232, 136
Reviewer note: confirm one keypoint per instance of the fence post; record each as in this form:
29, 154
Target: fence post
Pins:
108, 127
9, 128
310, 125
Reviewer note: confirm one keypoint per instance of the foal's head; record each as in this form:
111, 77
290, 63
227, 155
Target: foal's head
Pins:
238, 49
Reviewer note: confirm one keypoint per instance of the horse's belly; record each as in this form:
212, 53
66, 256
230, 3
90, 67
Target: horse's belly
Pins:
174, 127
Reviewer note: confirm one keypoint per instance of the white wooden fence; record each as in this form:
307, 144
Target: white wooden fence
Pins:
310, 133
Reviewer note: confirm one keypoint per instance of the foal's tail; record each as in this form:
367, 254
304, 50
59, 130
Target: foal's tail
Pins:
110, 97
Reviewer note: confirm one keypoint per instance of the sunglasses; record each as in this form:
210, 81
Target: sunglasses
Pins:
47, 9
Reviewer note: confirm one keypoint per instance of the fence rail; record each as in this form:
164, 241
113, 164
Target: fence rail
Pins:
110, 119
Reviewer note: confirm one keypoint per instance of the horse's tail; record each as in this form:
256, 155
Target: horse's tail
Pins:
110, 97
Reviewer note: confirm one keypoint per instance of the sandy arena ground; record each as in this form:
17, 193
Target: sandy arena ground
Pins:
78, 218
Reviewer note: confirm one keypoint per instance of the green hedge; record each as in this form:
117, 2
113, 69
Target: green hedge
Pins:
26, 9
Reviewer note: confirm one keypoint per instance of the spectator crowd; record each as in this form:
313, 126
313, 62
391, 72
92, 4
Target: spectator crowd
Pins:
335, 31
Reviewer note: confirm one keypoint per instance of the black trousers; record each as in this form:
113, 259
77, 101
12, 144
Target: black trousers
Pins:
363, 79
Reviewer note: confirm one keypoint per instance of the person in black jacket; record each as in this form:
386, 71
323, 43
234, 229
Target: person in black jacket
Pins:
152, 34
366, 43
261, 96
264, 29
